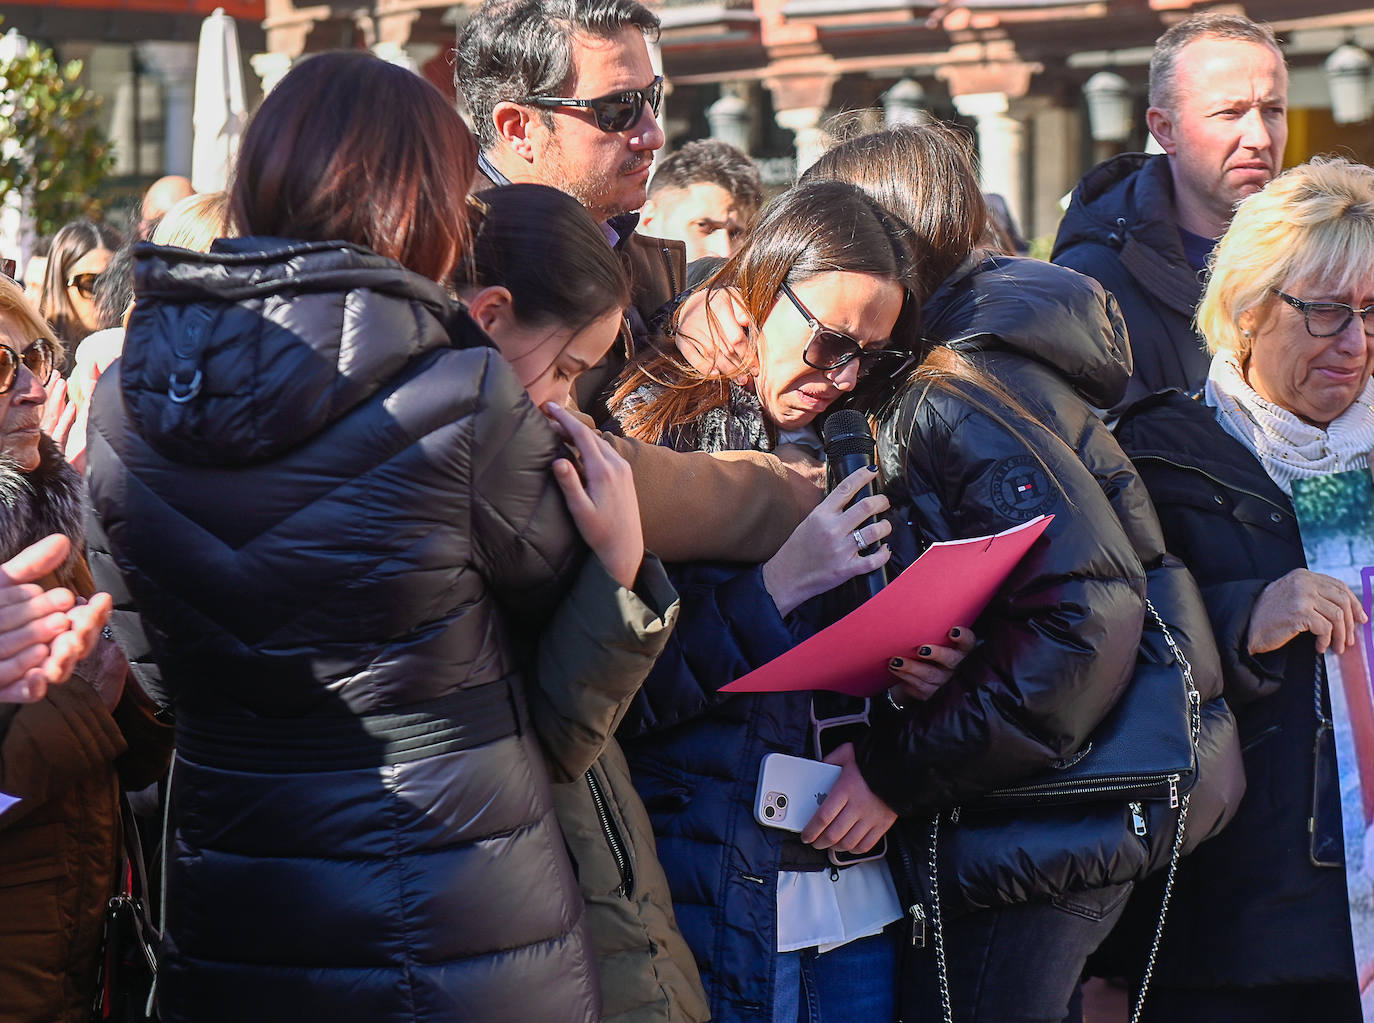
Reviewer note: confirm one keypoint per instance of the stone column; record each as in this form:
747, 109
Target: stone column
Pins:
1001, 147
174, 66
732, 117
411, 56
811, 141
270, 68
799, 104
1054, 162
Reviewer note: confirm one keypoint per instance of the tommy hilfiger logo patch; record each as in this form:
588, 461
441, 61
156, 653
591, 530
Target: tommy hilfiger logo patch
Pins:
1021, 489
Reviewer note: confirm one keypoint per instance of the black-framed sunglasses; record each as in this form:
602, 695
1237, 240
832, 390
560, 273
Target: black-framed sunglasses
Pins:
40, 358
84, 284
1327, 319
829, 349
615, 111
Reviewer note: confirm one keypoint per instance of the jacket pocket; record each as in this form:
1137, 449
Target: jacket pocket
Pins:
610, 831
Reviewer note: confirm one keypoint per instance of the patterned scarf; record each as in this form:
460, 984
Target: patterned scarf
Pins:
1287, 447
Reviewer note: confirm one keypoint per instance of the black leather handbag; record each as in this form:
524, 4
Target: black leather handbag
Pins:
128, 961
1143, 752
1144, 749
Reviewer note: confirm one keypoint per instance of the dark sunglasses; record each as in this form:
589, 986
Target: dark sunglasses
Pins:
1327, 319
84, 284
40, 358
829, 349
615, 111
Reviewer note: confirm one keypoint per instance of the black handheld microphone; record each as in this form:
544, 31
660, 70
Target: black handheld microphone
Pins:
849, 446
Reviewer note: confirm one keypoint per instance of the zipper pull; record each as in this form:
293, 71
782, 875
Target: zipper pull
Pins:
918, 925
1138, 818
1173, 792
834, 873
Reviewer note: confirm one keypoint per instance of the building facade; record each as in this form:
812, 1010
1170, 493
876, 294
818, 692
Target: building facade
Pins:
140, 57
780, 78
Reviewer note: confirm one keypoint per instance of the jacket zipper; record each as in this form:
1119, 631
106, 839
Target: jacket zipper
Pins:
917, 910
1104, 786
613, 839
1138, 818
668, 265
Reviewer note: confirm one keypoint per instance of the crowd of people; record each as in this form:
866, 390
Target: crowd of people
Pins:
387, 526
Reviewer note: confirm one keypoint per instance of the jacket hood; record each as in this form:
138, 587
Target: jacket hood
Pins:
1127, 205
1115, 196
1040, 311
239, 354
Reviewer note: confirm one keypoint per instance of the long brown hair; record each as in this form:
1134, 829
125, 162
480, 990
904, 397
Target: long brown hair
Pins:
348, 147
68, 246
926, 176
818, 227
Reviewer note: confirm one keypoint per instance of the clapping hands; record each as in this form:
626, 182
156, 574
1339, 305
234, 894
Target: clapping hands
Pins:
43, 633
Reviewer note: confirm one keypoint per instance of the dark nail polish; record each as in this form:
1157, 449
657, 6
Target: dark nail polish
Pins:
924, 651
896, 662
872, 468
955, 632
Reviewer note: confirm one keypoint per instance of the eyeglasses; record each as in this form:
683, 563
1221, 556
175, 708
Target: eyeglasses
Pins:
829, 349
83, 283
615, 111
1327, 319
40, 358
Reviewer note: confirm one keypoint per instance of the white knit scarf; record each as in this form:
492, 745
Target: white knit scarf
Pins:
1287, 447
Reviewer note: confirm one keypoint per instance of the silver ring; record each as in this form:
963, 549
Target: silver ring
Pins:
858, 535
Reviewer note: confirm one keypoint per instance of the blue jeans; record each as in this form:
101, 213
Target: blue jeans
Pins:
855, 983
1020, 963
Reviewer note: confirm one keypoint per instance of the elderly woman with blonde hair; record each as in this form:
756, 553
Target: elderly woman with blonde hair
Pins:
1261, 928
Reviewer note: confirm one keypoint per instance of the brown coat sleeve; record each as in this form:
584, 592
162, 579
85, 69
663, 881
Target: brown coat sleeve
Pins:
54, 743
730, 506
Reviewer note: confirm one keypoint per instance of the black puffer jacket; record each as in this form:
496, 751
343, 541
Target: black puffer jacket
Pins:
333, 508
1059, 641
1121, 230
1249, 908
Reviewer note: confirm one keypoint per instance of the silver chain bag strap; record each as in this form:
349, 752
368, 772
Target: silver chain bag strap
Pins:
1180, 801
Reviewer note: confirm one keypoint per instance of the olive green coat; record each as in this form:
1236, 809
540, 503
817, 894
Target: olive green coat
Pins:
592, 659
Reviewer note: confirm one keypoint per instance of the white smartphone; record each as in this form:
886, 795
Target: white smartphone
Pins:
790, 789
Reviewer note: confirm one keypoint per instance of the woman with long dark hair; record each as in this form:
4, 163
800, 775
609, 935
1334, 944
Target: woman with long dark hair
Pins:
542, 282
333, 504
80, 252
995, 426
823, 281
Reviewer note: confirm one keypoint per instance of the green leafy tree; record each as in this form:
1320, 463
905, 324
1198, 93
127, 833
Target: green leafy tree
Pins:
51, 150
1336, 503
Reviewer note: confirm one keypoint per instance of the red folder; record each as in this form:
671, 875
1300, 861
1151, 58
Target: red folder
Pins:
948, 585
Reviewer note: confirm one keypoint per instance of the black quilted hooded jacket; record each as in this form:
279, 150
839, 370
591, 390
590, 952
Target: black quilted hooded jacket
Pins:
331, 503
1060, 640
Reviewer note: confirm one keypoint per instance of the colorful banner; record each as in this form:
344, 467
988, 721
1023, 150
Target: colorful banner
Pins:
1336, 518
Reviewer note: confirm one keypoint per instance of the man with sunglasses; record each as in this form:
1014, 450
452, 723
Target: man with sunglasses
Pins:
562, 93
